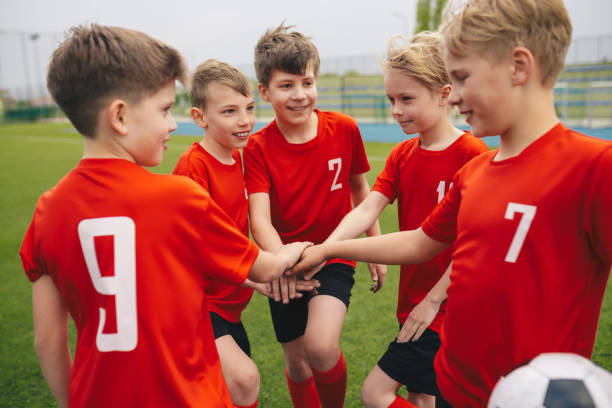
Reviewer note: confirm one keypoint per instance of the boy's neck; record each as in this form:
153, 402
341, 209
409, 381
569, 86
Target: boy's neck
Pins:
537, 117
300, 133
100, 147
440, 136
222, 153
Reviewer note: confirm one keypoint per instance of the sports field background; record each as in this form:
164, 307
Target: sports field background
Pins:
34, 157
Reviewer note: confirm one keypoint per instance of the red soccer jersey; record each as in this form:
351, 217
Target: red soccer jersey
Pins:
308, 183
419, 178
225, 184
128, 251
533, 248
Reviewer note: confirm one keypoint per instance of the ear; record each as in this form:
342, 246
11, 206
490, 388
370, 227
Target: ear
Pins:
117, 117
523, 65
263, 92
444, 94
198, 117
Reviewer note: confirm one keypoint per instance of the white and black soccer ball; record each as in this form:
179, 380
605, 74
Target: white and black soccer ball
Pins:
554, 380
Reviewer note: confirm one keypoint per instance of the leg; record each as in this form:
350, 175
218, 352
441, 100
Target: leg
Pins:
239, 371
422, 400
289, 321
379, 390
326, 314
322, 345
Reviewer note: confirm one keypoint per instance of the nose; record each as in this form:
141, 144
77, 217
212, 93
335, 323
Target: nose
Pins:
172, 123
299, 93
396, 110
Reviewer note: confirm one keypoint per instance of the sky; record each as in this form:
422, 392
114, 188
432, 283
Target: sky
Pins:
226, 30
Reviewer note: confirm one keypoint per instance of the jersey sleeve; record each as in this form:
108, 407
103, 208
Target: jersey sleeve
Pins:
199, 174
441, 224
387, 181
599, 207
32, 268
359, 162
256, 177
225, 251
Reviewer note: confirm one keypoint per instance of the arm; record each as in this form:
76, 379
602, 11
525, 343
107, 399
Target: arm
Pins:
425, 312
397, 248
360, 190
267, 238
51, 337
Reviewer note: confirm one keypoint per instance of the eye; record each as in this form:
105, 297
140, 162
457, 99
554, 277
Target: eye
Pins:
309, 83
285, 86
391, 100
407, 98
228, 111
250, 108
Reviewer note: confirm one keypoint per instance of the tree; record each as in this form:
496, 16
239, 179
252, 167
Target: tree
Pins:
429, 14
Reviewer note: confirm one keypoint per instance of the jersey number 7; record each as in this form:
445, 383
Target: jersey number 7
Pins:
528, 212
122, 285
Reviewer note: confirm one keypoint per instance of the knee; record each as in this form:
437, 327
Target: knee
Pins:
368, 395
245, 384
322, 355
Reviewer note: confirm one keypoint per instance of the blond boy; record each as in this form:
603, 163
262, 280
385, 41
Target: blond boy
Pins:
530, 221
125, 251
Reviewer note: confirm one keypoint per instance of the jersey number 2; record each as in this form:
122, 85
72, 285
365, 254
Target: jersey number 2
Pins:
122, 285
333, 163
528, 212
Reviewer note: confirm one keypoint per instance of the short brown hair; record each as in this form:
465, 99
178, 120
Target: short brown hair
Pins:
495, 27
96, 63
285, 51
213, 70
422, 58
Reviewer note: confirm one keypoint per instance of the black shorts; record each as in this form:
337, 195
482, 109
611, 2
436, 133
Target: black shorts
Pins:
222, 327
411, 363
289, 320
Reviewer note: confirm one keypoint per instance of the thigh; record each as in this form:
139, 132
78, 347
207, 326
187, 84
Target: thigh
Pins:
289, 320
337, 280
379, 389
222, 327
411, 363
235, 363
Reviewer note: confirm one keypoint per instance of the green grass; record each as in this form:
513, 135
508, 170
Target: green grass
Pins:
35, 156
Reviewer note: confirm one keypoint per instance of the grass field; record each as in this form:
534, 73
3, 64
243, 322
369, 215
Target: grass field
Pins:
34, 157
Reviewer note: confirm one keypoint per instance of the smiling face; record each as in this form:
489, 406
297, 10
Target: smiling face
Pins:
228, 118
483, 91
149, 124
413, 105
293, 96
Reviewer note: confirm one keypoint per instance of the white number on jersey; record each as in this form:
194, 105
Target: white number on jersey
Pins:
122, 285
332, 163
442, 189
528, 212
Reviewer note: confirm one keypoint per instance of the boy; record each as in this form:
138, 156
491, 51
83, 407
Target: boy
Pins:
125, 251
418, 172
530, 221
222, 105
302, 172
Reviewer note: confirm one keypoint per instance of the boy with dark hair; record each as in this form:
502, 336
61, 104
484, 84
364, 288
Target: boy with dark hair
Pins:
222, 105
530, 222
303, 172
125, 251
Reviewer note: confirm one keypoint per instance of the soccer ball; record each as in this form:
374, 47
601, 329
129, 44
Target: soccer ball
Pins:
554, 380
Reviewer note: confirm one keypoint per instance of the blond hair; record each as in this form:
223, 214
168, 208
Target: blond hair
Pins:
280, 49
213, 70
495, 27
96, 63
422, 58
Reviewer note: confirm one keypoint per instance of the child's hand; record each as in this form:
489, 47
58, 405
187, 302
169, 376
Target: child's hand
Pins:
418, 320
292, 252
312, 257
378, 273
